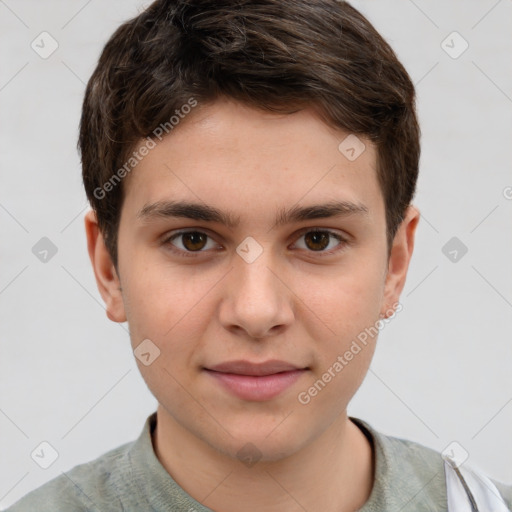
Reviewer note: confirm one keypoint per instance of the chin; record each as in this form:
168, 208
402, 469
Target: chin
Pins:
264, 442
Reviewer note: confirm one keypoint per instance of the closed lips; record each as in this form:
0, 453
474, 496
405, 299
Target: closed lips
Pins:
243, 367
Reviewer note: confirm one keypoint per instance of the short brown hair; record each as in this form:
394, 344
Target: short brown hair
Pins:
272, 54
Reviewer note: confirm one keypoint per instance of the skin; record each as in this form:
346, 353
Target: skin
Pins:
292, 303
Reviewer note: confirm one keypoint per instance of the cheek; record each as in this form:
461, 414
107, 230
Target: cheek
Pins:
166, 309
169, 307
343, 301
349, 307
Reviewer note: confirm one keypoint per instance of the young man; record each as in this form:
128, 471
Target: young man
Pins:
251, 167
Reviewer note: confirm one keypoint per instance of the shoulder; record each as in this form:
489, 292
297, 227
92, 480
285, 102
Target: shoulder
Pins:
408, 475
505, 491
418, 457
411, 475
86, 487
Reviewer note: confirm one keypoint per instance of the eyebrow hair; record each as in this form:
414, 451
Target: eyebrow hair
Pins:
204, 212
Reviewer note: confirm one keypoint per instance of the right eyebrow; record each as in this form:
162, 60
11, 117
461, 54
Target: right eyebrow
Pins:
188, 210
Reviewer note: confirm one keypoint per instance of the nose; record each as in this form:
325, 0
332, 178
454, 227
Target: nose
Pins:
257, 301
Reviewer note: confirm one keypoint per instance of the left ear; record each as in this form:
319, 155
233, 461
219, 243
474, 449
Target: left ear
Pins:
400, 256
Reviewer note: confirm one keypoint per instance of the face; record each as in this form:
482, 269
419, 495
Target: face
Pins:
283, 258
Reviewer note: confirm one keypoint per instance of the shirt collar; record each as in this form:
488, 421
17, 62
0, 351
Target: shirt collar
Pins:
406, 474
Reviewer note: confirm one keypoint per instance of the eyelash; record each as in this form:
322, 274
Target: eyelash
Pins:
187, 254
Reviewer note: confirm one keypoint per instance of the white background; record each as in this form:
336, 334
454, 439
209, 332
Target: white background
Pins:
442, 371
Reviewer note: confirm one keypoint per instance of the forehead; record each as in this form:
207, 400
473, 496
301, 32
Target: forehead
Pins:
227, 153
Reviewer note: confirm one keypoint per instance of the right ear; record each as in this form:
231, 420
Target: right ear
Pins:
107, 279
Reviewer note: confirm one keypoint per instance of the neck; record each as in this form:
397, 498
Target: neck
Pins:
333, 473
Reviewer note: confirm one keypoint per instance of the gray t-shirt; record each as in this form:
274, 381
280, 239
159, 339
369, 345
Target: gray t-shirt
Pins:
408, 477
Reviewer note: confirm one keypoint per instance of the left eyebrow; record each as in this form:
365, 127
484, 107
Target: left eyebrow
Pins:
320, 211
207, 213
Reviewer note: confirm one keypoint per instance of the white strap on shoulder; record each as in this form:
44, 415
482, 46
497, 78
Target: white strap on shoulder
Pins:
469, 491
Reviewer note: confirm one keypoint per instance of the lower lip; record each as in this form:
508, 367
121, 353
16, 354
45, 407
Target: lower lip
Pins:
257, 388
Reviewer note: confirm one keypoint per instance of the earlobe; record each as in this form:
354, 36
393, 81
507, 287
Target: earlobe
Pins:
400, 257
105, 273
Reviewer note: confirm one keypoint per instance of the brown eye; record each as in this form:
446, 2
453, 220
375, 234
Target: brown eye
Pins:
317, 240
194, 240
186, 243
